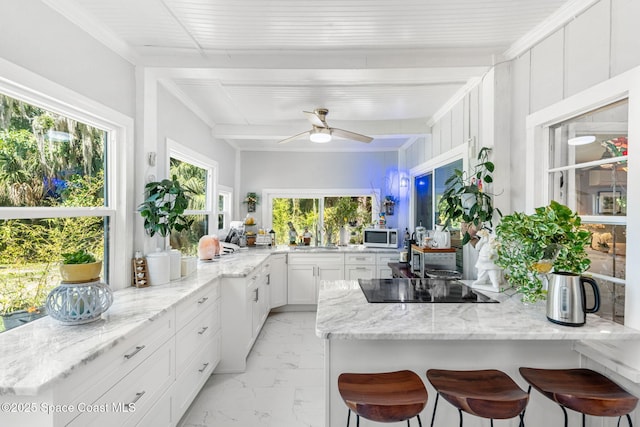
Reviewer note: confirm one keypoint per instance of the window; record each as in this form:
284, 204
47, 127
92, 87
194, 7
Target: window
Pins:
225, 204
321, 216
197, 176
54, 171
588, 172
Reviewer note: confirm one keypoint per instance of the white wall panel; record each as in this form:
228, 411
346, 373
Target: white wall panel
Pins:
445, 133
35, 37
437, 137
428, 148
547, 59
587, 49
457, 124
625, 40
474, 113
520, 75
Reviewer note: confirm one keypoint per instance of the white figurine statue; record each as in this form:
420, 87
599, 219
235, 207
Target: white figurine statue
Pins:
490, 276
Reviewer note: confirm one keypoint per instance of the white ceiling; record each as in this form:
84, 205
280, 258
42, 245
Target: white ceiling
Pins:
250, 67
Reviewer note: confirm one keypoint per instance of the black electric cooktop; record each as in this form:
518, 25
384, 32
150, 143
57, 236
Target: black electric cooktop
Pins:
427, 290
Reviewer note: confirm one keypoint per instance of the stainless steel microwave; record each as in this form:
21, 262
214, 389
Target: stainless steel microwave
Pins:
381, 237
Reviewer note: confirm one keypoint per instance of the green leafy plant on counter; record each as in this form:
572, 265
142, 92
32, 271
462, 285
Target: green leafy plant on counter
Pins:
164, 207
551, 239
78, 257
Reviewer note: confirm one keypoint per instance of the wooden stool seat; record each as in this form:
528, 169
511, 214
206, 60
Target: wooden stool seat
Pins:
484, 393
383, 397
581, 390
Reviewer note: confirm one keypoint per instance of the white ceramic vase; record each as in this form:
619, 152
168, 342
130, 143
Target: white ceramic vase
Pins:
441, 238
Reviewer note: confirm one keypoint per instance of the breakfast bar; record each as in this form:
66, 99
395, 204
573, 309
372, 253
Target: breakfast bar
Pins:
360, 336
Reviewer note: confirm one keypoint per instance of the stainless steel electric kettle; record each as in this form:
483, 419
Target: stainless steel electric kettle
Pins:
566, 300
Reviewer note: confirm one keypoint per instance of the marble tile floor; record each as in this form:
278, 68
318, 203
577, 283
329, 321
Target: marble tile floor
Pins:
283, 385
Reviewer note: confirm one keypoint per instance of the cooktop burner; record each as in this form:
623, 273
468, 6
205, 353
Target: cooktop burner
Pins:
429, 290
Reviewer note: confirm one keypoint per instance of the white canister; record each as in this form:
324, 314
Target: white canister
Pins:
175, 264
158, 265
441, 238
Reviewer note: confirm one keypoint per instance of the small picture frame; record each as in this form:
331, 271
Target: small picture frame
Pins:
608, 203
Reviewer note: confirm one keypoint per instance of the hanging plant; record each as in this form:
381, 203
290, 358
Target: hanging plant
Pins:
163, 209
252, 199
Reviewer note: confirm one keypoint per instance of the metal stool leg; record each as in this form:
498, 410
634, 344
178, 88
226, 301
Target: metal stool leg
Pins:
491, 422
521, 420
583, 419
566, 419
348, 417
435, 406
419, 421
357, 420
460, 412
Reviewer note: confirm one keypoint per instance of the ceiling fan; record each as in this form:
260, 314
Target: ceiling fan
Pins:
321, 132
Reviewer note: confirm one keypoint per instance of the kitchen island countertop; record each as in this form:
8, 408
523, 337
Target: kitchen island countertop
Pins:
344, 313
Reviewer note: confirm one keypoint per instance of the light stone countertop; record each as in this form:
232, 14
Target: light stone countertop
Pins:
345, 314
37, 355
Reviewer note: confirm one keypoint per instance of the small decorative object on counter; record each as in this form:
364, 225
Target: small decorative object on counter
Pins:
490, 276
293, 234
188, 265
306, 236
158, 265
174, 263
208, 247
139, 271
344, 236
273, 237
83, 299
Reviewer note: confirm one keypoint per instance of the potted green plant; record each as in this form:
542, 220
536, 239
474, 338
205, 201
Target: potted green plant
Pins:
163, 209
465, 200
529, 246
80, 266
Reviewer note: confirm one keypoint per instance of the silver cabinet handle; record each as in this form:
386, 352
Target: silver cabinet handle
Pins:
269, 279
138, 396
361, 268
203, 330
134, 352
255, 297
203, 367
361, 258
203, 300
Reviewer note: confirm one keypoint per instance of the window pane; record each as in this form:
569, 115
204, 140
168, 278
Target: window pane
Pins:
442, 174
47, 159
187, 240
193, 179
612, 301
608, 250
424, 201
352, 212
301, 213
30, 250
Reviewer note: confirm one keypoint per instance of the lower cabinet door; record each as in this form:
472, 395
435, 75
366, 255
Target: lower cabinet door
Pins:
160, 414
302, 284
189, 383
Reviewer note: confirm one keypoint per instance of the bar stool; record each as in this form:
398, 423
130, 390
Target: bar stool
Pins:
385, 397
582, 390
484, 393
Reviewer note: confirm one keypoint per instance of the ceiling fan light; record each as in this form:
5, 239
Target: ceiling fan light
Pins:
319, 137
582, 140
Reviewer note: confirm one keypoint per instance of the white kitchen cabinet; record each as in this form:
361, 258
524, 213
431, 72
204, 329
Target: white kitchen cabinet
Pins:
244, 307
359, 266
307, 270
382, 264
277, 280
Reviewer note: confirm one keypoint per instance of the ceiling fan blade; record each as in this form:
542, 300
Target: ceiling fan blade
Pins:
294, 137
314, 119
340, 133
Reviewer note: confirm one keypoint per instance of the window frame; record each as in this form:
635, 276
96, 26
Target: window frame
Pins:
227, 211
183, 153
34, 89
537, 167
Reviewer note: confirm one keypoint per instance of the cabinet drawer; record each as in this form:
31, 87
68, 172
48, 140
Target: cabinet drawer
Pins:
189, 383
383, 259
160, 414
202, 300
316, 259
90, 382
195, 335
366, 259
133, 396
